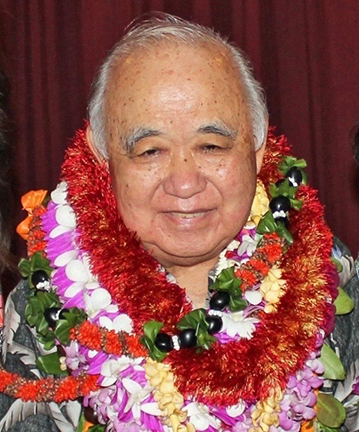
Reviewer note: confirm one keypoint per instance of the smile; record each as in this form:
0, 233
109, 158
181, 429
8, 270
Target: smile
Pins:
187, 215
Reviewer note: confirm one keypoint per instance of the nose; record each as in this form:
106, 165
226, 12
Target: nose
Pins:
184, 177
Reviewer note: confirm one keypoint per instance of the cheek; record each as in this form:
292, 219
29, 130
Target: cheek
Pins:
134, 188
237, 176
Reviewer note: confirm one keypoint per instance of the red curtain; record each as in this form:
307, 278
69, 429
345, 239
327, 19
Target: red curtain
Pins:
305, 52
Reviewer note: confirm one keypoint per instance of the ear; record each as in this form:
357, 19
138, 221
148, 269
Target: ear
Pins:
91, 143
259, 156
260, 152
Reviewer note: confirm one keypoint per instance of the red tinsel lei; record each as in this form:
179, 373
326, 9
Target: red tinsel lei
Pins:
246, 369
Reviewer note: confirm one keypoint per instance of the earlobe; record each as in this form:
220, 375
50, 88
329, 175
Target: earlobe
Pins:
91, 143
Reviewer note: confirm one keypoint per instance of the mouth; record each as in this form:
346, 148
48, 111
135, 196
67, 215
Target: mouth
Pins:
188, 215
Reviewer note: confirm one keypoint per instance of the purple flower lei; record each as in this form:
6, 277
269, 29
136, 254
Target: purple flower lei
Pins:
126, 398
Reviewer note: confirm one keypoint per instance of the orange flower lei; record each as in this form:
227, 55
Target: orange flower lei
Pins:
254, 367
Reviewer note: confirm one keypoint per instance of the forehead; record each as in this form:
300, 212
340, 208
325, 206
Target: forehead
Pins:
175, 79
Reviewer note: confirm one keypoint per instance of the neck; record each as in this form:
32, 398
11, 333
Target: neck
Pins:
195, 280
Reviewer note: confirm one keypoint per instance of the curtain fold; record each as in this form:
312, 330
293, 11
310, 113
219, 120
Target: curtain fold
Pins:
305, 53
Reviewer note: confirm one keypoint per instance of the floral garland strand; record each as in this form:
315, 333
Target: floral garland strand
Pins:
253, 366
47, 389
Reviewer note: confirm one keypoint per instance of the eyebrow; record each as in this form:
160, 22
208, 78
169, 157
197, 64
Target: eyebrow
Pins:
136, 135
218, 128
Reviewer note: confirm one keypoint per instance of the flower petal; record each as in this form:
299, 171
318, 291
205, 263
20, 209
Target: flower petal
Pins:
131, 386
59, 195
65, 258
253, 297
75, 271
151, 408
66, 216
60, 229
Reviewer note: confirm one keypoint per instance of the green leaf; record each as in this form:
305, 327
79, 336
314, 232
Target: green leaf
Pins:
289, 161
273, 190
193, 320
97, 428
24, 267
48, 299
237, 304
333, 368
226, 281
36, 262
343, 303
80, 426
151, 329
50, 364
286, 189
205, 340
62, 331
74, 316
154, 352
282, 231
49, 344
296, 204
330, 411
42, 326
266, 224
36, 305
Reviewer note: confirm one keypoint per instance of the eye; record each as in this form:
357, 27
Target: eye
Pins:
150, 152
210, 148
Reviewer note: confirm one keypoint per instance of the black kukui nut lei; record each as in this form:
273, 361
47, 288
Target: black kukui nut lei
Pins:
53, 314
215, 324
187, 338
39, 277
279, 203
164, 342
295, 176
219, 300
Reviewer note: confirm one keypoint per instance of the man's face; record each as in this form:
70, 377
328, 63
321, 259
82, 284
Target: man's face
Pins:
182, 161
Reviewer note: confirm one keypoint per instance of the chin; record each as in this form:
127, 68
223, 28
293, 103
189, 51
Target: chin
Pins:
184, 255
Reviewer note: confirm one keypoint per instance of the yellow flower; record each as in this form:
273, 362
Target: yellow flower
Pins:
272, 288
260, 205
169, 400
265, 414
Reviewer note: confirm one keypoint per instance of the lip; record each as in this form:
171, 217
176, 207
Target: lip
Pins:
189, 216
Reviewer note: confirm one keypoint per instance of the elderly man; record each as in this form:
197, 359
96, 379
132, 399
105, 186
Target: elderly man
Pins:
173, 285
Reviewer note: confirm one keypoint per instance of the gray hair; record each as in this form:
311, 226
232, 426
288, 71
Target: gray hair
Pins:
166, 28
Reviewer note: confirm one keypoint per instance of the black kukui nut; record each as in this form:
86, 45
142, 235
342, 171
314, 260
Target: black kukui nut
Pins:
214, 324
283, 220
294, 176
39, 276
164, 342
90, 415
280, 203
61, 314
52, 316
219, 300
187, 338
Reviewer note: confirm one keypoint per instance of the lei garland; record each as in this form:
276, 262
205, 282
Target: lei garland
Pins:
255, 369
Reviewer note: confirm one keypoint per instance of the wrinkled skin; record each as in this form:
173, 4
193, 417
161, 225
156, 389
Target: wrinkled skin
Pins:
182, 158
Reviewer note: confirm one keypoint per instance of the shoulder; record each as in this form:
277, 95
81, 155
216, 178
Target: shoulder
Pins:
19, 353
345, 336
